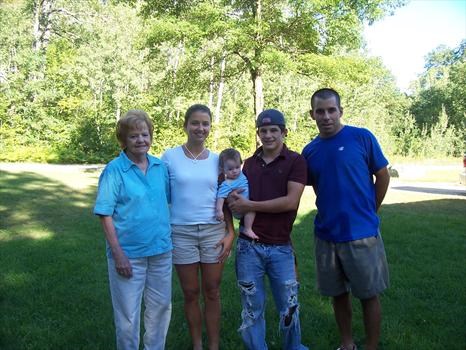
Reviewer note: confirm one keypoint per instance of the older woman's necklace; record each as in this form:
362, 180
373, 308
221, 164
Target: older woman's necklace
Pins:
194, 158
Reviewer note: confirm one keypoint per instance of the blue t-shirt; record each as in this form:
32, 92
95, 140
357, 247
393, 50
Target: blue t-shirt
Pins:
241, 182
341, 169
138, 205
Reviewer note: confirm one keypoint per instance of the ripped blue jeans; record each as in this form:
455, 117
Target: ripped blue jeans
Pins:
253, 262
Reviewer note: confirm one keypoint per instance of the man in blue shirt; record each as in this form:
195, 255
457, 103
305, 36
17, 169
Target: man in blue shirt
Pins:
350, 256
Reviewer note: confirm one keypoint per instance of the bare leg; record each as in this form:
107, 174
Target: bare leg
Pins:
372, 319
189, 280
248, 221
211, 278
343, 315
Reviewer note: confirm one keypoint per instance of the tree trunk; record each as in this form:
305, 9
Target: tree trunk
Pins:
211, 84
258, 97
118, 112
174, 59
256, 73
41, 26
220, 90
36, 25
218, 107
258, 92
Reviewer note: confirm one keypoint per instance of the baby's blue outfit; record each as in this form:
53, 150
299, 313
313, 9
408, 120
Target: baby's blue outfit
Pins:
229, 185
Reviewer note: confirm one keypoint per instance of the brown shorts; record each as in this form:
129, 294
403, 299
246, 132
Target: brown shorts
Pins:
358, 266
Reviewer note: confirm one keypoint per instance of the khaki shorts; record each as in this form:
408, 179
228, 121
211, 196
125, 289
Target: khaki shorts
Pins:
358, 266
196, 243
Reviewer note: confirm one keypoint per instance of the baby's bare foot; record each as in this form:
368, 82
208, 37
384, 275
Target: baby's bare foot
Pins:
250, 233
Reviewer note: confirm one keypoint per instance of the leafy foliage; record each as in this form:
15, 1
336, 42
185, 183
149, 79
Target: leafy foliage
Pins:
442, 86
70, 69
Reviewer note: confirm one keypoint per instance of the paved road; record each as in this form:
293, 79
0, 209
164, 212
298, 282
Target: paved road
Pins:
441, 188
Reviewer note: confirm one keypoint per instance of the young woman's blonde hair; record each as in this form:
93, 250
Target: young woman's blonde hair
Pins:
133, 119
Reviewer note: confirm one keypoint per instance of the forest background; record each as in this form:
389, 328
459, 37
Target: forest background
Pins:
70, 69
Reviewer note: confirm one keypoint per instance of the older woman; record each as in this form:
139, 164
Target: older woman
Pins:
132, 205
201, 243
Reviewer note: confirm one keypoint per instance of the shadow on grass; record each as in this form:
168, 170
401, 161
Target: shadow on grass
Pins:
54, 289
426, 302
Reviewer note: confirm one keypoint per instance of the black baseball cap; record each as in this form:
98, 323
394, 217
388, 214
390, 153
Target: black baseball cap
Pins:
270, 117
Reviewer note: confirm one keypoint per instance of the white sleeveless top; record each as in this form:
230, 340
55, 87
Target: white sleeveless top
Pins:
193, 187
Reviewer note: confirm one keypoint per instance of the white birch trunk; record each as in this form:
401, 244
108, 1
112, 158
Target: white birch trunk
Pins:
35, 27
218, 107
258, 94
211, 84
220, 90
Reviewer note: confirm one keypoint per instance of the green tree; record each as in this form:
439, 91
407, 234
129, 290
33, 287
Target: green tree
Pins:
263, 33
442, 86
69, 69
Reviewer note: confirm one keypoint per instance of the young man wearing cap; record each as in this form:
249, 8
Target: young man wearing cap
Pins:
277, 177
350, 256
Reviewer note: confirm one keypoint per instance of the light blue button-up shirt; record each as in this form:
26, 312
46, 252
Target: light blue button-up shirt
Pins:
138, 205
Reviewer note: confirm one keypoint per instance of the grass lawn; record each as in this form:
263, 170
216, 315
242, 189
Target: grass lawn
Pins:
54, 289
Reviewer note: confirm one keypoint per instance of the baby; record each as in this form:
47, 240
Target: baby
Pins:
230, 165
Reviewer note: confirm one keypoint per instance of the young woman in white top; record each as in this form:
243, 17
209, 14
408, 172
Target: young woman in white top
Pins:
201, 242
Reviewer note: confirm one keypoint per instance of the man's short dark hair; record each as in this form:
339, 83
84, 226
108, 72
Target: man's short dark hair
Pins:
325, 94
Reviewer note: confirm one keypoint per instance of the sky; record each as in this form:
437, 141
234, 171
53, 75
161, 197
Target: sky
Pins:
404, 39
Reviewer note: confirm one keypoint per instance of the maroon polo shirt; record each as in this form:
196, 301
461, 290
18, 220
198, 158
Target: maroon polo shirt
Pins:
269, 181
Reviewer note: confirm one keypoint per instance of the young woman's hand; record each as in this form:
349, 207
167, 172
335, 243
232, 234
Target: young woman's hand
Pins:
226, 243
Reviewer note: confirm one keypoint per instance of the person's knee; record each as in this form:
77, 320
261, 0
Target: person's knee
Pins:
160, 301
290, 314
166, 303
212, 293
247, 288
191, 294
251, 312
288, 317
